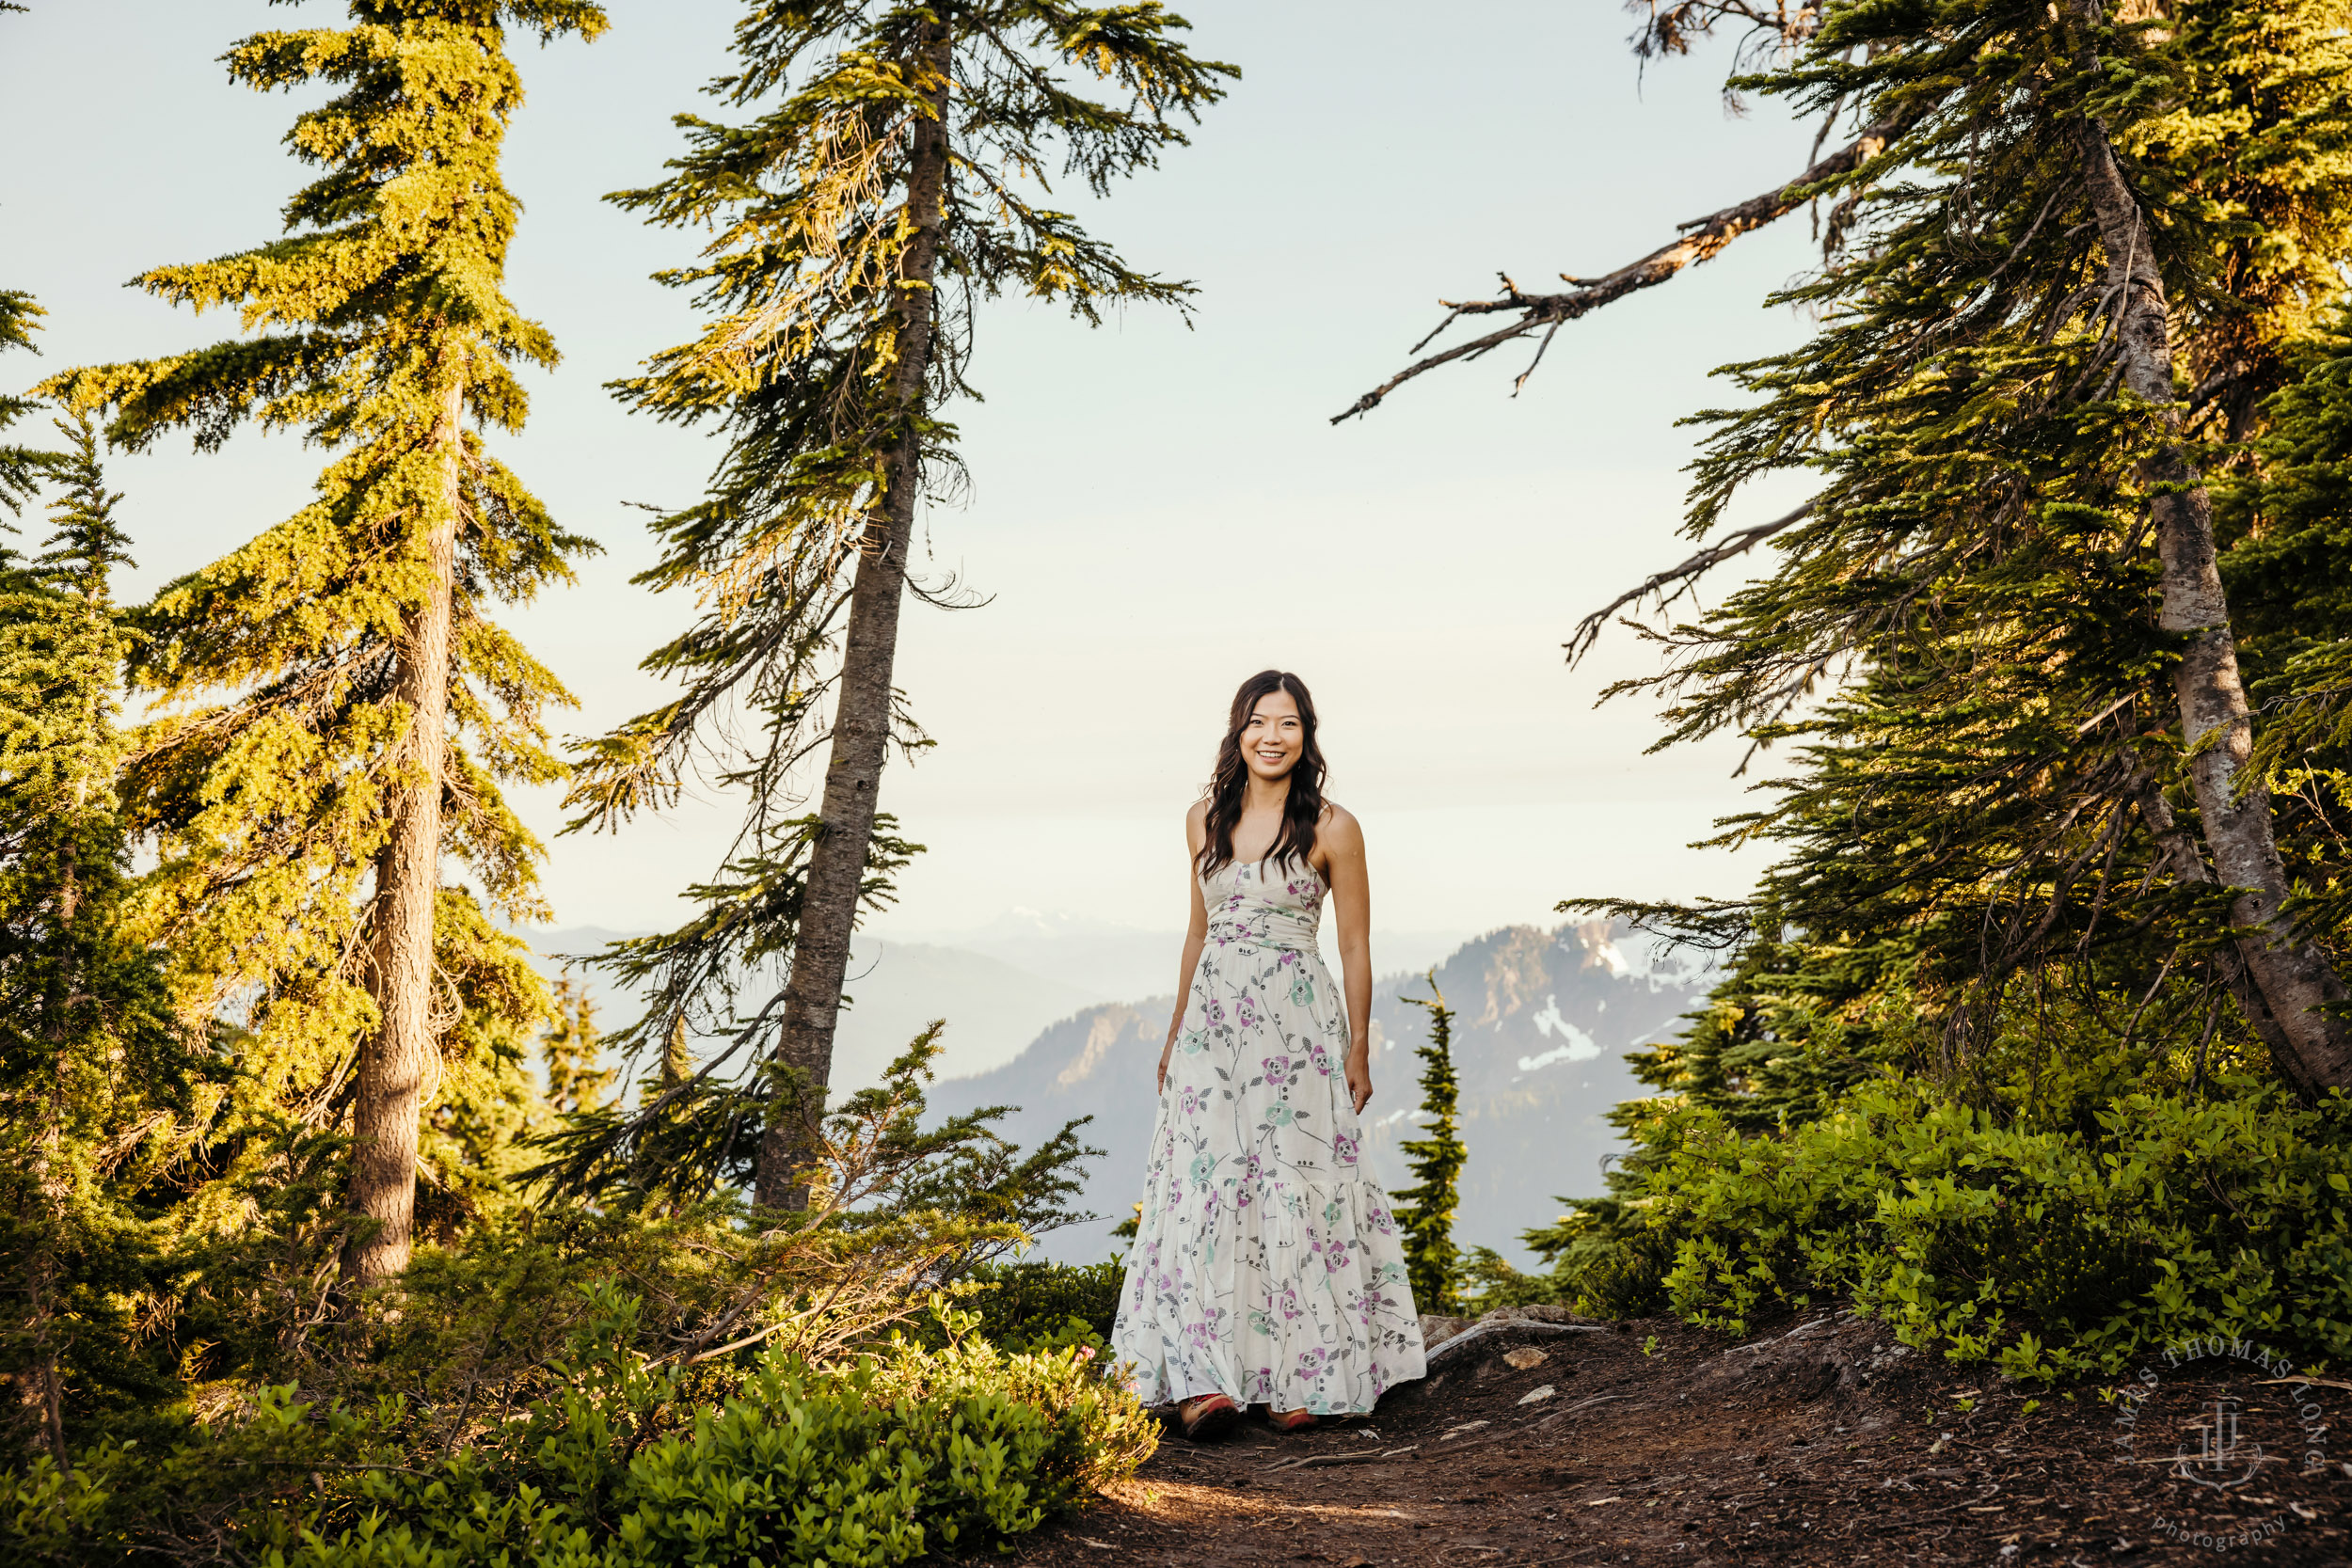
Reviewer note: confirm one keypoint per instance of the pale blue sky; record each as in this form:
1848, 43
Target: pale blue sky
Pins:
1157, 512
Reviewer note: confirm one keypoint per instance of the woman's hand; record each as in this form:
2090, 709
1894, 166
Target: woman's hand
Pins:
1359, 1075
1166, 1051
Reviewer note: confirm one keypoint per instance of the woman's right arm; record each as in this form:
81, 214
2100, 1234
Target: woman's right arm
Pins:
1196, 935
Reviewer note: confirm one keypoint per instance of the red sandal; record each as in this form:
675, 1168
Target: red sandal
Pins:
1211, 1416
1291, 1421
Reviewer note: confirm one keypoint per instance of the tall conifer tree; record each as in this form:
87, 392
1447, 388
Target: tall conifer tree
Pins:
2069, 256
895, 181
338, 705
91, 1061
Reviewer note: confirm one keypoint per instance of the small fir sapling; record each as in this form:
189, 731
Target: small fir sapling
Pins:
1426, 1208
570, 1048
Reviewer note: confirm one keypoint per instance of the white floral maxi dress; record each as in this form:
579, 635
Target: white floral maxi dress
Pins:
1267, 1266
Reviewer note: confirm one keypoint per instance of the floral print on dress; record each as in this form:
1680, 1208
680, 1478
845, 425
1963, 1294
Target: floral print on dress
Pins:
1268, 1266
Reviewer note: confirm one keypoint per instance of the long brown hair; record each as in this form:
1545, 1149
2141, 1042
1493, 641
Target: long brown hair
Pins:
1304, 808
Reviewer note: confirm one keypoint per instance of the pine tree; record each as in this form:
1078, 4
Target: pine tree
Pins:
2054, 656
1432, 1262
569, 1051
892, 181
91, 1061
2009, 641
337, 708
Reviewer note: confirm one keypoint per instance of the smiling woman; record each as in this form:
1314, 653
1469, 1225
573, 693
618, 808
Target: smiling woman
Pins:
1266, 1265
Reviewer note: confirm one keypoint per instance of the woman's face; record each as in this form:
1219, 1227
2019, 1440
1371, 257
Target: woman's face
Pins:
1273, 739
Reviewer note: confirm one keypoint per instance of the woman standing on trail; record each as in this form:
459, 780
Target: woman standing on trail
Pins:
1266, 1267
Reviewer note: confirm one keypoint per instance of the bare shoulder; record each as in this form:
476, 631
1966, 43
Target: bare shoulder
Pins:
1197, 823
1338, 832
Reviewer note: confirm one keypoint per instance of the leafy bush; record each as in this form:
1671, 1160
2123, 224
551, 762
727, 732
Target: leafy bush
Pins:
895, 1214
506, 1402
626, 1462
2050, 1249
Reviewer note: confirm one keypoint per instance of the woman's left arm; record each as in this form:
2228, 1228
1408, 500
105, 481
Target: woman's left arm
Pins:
1342, 842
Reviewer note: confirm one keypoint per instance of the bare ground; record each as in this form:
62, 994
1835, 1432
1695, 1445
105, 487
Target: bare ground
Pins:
1822, 1442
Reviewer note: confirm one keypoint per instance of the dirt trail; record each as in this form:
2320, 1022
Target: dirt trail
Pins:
1823, 1442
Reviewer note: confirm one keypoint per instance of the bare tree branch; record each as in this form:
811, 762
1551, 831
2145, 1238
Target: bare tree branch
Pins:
1672, 26
1681, 577
1702, 238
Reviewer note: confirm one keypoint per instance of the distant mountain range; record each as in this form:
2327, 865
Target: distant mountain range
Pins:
896, 988
1118, 963
1542, 1022
997, 986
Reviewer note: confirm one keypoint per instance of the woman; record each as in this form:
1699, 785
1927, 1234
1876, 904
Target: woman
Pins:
1267, 1266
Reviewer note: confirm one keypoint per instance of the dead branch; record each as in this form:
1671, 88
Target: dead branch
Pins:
1672, 26
1702, 238
1682, 578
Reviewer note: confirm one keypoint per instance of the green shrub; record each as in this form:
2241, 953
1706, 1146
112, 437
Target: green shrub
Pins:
1024, 1306
625, 1464
2050, 1249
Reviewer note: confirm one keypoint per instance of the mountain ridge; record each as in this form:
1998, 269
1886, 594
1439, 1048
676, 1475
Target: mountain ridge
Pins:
1543, 1018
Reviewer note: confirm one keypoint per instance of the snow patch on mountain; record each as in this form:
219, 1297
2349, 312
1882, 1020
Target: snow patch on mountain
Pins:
1577, 1045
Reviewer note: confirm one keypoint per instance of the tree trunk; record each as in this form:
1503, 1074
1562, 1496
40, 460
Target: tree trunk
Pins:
2177, 857
399, 1066
861, 731
2297, 980
41, 1384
